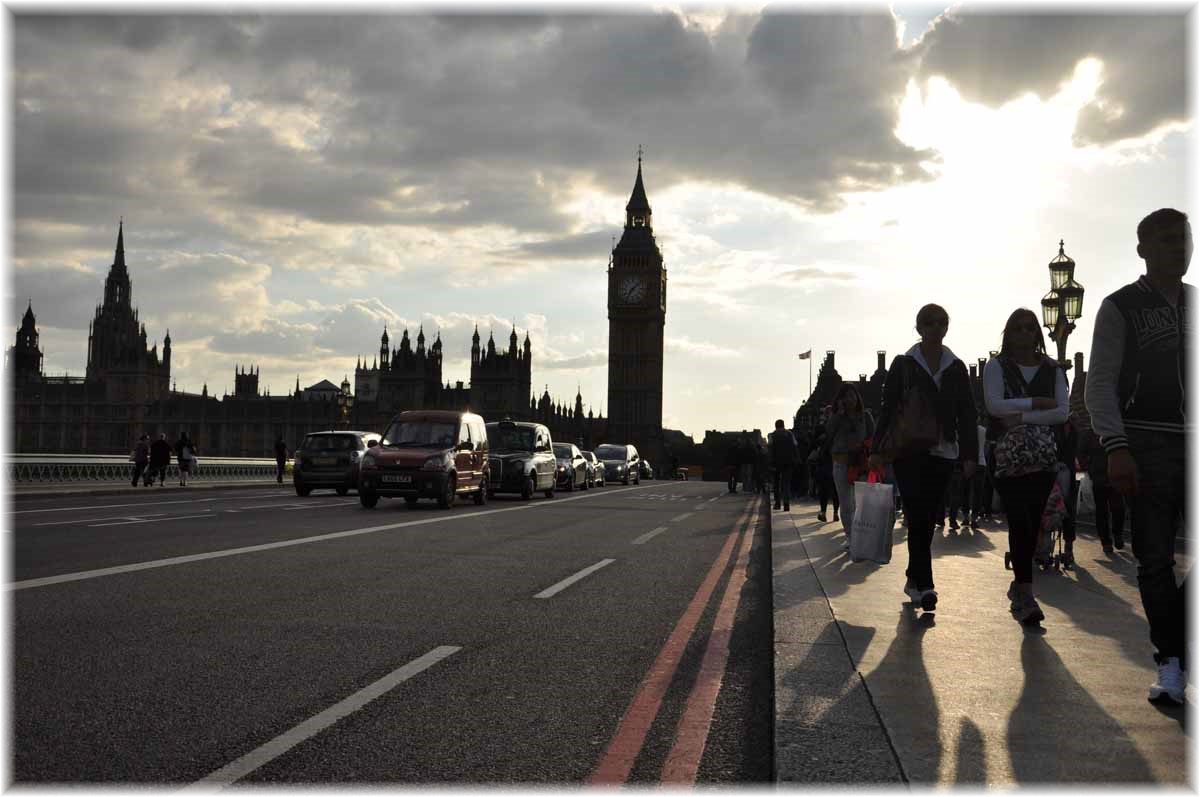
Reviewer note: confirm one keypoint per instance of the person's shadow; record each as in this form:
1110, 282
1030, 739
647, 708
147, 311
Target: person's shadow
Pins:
1058, 733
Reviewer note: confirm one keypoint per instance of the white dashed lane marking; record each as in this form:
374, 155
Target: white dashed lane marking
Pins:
678, 518
649, 535
566, 582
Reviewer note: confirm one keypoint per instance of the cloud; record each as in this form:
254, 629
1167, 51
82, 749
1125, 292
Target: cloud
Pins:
994, 58
589, 359
683, 345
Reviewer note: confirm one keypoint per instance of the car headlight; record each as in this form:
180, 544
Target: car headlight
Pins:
368, 461
354, 455
562, 467
439, 462
620, 468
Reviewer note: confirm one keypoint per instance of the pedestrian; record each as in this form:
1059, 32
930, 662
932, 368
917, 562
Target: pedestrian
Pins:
975, 486
1067, 438
1136, 396
731, 465
281, 456
784, 454
185, 450
160, 460
848, 431
825, 488
1109, 504
140, 457
800, 472
928, 383
1025, 393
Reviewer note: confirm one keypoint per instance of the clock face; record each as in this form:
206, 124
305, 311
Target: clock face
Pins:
631, 290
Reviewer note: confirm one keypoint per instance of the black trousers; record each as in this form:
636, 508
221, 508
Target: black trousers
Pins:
1110, 510
922, 481
138, 467
826, 490
1024, 500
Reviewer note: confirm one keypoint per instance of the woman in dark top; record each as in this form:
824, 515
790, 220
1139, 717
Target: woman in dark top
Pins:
941, 383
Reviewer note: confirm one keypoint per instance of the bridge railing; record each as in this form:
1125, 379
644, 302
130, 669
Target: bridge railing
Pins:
76, 468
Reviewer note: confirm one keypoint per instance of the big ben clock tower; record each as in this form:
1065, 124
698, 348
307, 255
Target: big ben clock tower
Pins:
637, 313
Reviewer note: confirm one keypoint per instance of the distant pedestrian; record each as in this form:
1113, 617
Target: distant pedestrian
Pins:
926, 397
1136, 395
975, 487
825, 488
185, 450
160, 460
281, 457
1110, 504
1026, 396
848, 431
731, 465
1067, 437
140, 457
783, 458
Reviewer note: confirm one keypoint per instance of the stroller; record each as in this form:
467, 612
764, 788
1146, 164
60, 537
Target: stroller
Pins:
1049, 554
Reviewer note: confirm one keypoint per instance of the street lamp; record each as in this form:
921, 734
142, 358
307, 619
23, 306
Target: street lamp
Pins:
345, 402
1063, 305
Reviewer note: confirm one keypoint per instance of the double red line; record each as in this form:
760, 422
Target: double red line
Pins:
684, 759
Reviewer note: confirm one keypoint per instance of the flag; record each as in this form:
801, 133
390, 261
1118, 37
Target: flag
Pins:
806, 354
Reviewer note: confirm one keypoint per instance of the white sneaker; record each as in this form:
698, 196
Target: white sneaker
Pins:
1170, 685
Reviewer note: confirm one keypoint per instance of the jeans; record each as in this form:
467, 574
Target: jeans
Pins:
783, 485
1110, 510
826, 491
975, 491
1024, 500
957, 494
138, 467
922, 480
280, 468
1161, 459
845, 494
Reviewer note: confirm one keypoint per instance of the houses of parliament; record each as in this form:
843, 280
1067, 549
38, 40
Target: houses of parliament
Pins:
127, 388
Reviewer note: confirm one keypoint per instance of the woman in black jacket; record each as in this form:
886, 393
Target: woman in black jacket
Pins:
931, 374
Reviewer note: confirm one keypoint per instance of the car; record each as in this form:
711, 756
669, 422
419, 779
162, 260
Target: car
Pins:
571, 467
595, 469
521, 459
620, 462
647, 470
681, 474
330, 459
439, 454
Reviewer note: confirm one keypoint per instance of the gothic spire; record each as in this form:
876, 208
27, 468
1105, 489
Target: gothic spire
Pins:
119, 258
639, 205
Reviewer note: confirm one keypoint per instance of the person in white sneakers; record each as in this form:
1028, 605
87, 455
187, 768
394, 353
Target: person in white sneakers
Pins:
1136, 396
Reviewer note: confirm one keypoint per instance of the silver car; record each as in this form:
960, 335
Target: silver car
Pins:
595, 469
330, 459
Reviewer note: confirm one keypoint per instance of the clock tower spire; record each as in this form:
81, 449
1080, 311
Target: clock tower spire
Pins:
637, 311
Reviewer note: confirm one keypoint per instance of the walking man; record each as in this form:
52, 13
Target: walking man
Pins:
783, 457
141, 457
281, 455
160, 459
1136, 397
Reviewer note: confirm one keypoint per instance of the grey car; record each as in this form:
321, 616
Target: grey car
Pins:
595, 469
621, 463
330, 459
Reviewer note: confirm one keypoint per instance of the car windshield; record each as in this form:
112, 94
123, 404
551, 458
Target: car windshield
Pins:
562, 450
509, 438
420, 434
331, 442
611, 452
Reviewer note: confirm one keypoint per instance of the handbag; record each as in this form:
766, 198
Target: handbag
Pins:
874, 519
914, 427
1026, 448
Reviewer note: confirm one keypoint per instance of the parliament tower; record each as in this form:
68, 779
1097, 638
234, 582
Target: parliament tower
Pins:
637, 312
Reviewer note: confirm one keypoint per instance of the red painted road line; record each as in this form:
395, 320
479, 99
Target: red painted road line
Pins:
617, 762
683, 762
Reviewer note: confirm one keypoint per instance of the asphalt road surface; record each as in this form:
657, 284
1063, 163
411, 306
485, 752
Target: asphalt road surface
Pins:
621, 634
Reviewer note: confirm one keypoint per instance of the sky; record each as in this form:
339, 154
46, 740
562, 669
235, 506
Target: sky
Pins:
292, 182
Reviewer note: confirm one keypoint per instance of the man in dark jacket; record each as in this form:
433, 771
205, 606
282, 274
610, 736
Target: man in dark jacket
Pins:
160, 458
783, 457
141, 458
281, 455
1136, 397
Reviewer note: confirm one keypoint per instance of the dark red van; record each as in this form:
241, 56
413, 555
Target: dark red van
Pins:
436, 454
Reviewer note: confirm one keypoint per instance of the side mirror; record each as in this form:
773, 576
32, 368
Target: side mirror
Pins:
372, 443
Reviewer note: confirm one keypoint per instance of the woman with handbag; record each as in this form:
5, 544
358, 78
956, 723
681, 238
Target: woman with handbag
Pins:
927, 423
848, 429
1026, 396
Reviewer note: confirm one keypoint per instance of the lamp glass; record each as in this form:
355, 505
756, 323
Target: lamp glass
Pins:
1072, 296
1050, 309
1061, 272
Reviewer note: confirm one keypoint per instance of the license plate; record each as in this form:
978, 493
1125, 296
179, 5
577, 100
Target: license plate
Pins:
324, 460
402, 478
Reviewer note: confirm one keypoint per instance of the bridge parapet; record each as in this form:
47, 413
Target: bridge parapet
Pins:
76, 468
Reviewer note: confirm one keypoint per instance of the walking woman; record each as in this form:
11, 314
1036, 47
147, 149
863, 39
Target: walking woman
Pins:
926, 424
185, 450
848, 429
1026, 395
824, 470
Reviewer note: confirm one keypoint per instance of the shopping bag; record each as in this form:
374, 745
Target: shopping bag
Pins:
1087, 498
874, 517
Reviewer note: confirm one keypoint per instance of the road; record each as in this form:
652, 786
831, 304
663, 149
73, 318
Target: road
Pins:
621, 634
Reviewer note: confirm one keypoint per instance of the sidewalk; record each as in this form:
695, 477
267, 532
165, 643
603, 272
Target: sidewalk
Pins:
870, 690
63, 489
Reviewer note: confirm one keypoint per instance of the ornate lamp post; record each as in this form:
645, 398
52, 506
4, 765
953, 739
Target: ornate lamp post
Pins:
345, 402
1063, 305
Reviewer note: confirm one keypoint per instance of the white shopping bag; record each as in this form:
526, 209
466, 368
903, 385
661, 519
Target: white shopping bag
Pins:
1087, 498
874, 517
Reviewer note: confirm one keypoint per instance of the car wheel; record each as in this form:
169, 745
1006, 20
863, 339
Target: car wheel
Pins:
446, 499
411, 500
481, 496
368, 498
342, 490
527, 488
303, 491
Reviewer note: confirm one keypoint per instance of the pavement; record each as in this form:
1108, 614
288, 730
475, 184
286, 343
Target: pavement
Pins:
870, 690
